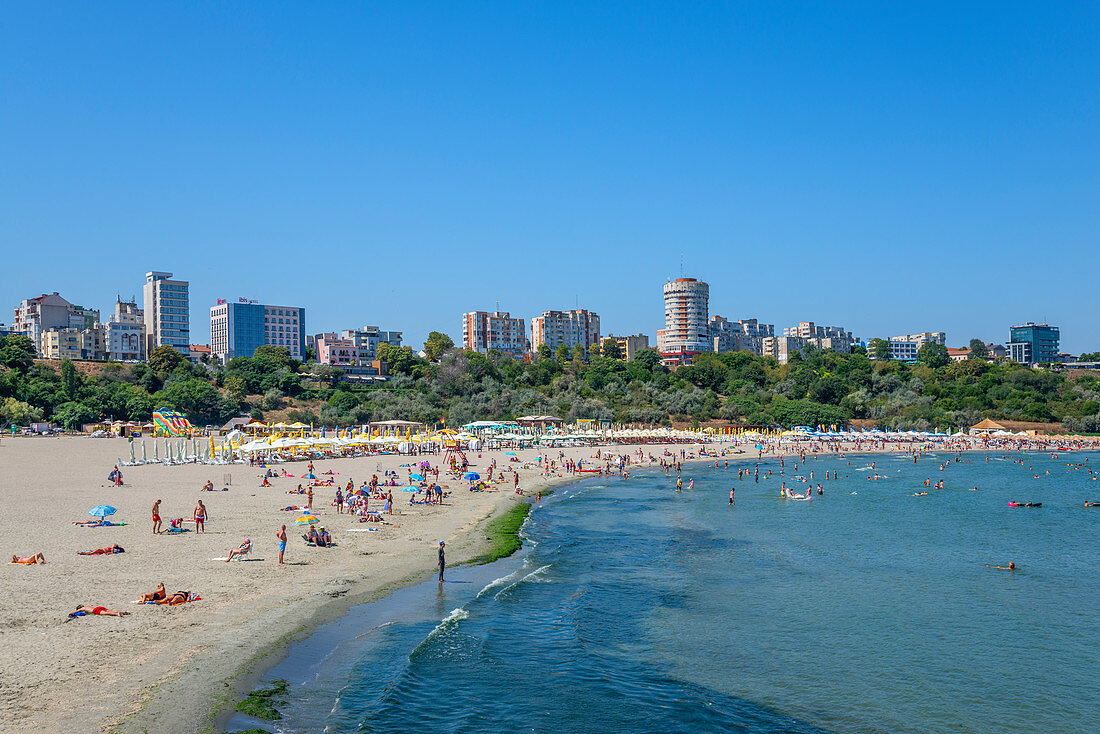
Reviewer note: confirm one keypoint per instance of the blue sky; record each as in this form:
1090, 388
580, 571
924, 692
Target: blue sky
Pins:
889, 169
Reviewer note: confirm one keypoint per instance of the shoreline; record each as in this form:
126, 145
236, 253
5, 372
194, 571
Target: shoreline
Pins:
180, 669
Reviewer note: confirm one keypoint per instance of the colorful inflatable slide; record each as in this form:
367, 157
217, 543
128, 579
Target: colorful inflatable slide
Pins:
171, 423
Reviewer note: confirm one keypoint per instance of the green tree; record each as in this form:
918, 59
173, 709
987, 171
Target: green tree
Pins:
437, 345
17, 352
594, 350
1089, 357
611, 349
933, 355
165, 359
543, 352
978, 350
562, 353
73, 415
236, 388
648, 357
578, 353
69, 379
880, 349
19, 413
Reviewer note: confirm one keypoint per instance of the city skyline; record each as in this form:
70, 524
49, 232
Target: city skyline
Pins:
816, 164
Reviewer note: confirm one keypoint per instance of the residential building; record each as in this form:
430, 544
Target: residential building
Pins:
743, 335
686, 332
795, 338
904, 348
6, 330
629, 345
167, 312
958, 355
565, 329
368, 338
996, 351
238, 329
482, 331
70, 342
50, 311
1042, 341
126, 332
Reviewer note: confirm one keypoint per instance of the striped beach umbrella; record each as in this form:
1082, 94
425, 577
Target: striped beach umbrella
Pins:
306, 520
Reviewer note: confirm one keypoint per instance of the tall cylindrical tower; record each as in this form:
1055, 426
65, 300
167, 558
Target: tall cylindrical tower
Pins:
687, 312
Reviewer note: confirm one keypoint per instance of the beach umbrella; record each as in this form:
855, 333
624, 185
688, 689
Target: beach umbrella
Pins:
417, 477
509, 453
102, 511
306, 520
471, 475
143, 459
410, 489
133, 459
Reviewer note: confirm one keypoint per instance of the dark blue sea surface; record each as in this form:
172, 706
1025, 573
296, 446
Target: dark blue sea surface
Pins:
635, 608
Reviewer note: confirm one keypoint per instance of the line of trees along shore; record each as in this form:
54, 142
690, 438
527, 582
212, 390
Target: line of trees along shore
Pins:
455, 386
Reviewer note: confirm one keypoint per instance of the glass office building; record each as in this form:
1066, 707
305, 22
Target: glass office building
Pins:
1042, 341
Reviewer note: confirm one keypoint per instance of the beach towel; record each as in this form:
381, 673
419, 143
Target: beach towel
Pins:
105, 524
179, 530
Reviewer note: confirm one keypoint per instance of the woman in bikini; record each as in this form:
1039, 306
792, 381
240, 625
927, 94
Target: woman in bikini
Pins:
29, 560
177, 598
109, 550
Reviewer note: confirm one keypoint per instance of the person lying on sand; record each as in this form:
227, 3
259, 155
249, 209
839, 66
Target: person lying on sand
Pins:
109, 550
240, 550
29, 560
157, 595
93, 523
102, 611
179, 597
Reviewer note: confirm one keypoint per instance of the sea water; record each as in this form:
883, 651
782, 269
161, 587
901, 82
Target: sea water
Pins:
637, 608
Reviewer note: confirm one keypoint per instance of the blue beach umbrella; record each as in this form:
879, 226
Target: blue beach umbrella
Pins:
471, 475
410, 489
417, 477
509, 453
102, 511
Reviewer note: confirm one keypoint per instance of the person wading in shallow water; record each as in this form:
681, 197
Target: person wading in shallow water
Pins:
442, 561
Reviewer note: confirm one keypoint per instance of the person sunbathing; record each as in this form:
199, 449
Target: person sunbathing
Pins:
29, 560
208, 487
326, 539
240, 550
157, 595
93, 523
102, 611
265, 483
109, 550
180, 597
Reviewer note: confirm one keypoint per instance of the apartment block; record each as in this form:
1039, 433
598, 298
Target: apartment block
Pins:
629, 345
565, 329
126, 332
743, 335
686, 332
483, 331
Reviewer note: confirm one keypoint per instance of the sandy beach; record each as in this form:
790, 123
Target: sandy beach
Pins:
165, 668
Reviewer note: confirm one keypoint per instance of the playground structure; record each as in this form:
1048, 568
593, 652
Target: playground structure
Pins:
170, 423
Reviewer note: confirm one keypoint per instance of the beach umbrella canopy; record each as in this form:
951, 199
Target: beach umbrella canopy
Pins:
102, 511
509, 453
410, 489
417, 477
307, 520
471, 475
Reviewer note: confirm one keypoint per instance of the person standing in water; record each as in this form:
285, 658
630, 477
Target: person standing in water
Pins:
442, 561
679, 484
731, 496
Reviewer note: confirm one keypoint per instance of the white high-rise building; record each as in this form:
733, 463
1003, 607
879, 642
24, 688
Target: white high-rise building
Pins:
167, 313
483, 331
687, 311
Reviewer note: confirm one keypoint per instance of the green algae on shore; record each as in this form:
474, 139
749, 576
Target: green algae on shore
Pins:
261, 702
503, 534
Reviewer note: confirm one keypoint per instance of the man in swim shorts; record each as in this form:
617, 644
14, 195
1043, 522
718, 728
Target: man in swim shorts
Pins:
157, 595
200, 517
103, 611
281, 536
156, 517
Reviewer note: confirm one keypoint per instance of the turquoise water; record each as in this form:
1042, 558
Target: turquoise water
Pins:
640, 609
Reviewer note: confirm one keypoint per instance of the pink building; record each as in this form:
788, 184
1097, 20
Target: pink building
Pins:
338, 352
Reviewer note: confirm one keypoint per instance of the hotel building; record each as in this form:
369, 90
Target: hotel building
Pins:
565, 329
1032, 343
904, 348
167, 313
126, 332
239, 329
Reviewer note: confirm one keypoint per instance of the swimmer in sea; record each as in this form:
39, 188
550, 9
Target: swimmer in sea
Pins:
1010, 567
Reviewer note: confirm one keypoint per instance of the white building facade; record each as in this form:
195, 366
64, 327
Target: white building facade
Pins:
687, 313
167, 312
565, 329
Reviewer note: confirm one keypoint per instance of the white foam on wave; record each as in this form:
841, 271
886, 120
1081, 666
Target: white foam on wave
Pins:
536, 576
